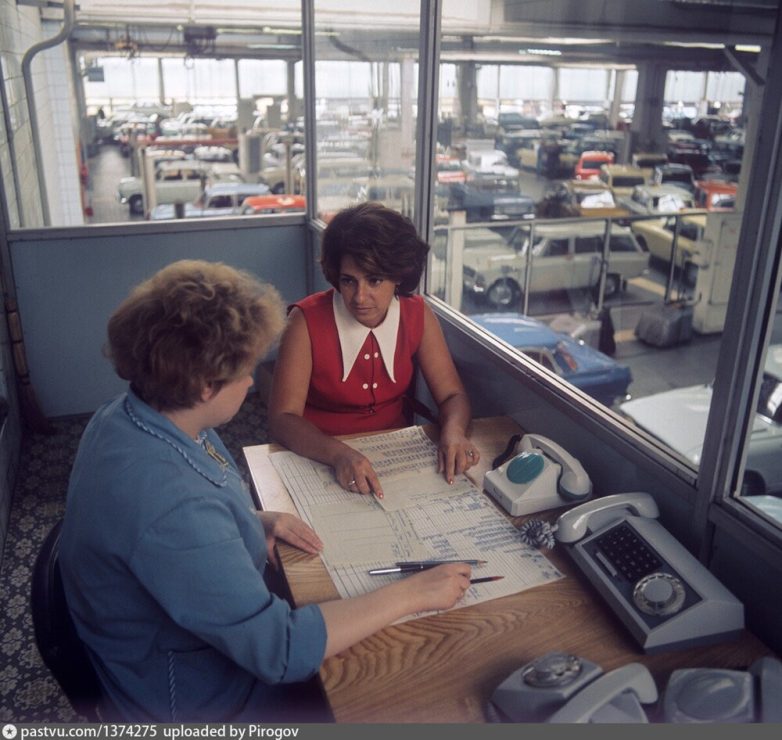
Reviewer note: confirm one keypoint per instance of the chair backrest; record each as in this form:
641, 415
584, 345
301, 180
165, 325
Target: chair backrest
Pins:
62, 650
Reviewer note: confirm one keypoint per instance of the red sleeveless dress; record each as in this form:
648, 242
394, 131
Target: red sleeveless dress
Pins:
368, 400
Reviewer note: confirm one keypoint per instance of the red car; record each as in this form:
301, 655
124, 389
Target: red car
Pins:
590, 162
257, 204
715, 195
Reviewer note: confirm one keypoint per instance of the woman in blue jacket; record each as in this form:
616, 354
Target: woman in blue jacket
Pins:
162, 551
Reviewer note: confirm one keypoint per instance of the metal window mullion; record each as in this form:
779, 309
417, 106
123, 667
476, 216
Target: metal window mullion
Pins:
426, 124
310, 134
750, 311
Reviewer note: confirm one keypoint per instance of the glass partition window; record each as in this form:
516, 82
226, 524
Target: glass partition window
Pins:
221, 91
365, 91
591, 206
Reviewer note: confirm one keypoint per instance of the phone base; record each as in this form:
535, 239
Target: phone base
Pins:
525, 498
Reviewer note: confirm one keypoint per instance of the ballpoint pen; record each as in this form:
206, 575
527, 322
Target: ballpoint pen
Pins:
413, 566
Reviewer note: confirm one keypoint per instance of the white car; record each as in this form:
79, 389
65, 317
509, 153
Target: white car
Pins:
657, 234
563, 257
178, 181
651, 199
678, 418
221, 199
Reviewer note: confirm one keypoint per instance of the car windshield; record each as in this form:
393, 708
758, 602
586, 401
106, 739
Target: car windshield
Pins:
627, 181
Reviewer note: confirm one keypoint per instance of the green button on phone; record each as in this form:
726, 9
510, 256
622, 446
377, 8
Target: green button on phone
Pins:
525, 467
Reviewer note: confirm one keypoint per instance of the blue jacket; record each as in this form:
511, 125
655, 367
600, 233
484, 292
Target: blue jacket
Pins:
162, 559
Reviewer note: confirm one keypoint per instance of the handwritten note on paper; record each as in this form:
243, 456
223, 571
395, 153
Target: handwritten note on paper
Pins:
429, 520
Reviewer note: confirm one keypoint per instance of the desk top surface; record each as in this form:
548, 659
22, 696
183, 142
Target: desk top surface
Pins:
444, 668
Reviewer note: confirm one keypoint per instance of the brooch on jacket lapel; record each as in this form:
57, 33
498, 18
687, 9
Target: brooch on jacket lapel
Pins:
214, 454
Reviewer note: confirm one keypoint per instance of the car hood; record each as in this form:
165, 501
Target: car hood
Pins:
678, 418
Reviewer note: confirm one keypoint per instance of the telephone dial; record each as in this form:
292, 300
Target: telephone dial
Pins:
564, 688
539, 475
665, 597
558, 688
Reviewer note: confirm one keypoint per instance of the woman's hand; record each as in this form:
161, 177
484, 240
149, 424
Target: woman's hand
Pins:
455, 455
440, 587
355, 473
288, 528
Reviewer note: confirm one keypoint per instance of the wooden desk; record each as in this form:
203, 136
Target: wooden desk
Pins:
444, 668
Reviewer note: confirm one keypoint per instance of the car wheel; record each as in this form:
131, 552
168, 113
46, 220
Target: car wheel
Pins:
136, 205
613, 286
503, 293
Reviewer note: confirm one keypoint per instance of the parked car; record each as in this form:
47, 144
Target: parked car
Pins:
650, 199
590, 162
593, 198
448, 169
647, 161
496, 199
678, 418
702, 163
273, 203
656, 235
716, 195
621, 178
488, 164
581, 365
176, 181
674, 174
562, 257
221, 199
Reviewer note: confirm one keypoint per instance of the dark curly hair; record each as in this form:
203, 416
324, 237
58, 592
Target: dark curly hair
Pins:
191, 324
380, 240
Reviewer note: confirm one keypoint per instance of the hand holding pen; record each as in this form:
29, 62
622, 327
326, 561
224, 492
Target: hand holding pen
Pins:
415, 566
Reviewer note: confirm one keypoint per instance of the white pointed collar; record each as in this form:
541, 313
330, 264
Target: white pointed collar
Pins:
353, 334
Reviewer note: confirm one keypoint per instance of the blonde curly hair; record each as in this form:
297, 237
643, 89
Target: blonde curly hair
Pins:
193, 323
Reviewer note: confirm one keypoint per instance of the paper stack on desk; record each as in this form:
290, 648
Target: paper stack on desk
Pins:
421, 517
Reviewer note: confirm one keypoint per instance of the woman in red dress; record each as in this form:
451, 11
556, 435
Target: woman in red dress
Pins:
349, 354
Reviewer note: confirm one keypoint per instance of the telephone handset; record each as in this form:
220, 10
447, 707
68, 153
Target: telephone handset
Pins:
663, 595
563, 688
572, 525
540, 475
718, 695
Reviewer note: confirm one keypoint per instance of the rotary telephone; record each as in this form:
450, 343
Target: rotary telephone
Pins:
558, 688
563, 688
538, 475
665, 597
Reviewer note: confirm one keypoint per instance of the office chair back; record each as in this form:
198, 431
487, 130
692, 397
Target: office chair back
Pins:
63, 652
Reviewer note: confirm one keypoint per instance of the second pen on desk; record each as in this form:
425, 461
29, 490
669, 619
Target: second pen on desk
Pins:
413, 566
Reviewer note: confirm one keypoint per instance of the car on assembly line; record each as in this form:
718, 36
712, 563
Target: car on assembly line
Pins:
583, 366
678, 418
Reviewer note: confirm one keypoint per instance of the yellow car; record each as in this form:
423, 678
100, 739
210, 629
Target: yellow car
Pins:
657, 234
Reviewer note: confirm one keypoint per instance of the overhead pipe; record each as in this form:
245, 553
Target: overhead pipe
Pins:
27, 60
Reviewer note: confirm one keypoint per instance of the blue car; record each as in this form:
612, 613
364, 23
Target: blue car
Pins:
581, 365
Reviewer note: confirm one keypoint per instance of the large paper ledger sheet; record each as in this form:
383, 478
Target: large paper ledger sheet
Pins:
421, 517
